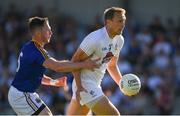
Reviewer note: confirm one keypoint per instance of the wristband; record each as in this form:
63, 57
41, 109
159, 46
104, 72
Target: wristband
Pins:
53, 82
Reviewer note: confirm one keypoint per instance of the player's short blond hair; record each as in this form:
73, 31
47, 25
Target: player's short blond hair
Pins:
109, 12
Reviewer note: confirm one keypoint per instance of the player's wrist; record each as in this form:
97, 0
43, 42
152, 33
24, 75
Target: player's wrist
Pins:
52, 82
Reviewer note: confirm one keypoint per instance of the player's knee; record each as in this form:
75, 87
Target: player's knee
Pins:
108, 107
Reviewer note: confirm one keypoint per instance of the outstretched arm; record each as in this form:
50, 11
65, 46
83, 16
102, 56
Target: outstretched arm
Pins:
113, 70
79, 56
68, 66
54, 82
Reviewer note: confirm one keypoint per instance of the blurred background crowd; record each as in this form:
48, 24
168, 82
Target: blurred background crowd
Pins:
151, 51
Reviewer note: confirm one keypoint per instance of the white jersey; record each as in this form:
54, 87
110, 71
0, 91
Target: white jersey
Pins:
99, 45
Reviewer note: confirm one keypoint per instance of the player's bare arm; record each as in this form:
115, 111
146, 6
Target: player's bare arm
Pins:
59, 82
113, 70
68, 66
79, 55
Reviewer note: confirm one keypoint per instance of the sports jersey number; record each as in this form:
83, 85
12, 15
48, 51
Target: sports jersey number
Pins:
21, 54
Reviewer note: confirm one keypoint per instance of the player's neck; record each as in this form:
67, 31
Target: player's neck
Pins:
38, 41
110, 33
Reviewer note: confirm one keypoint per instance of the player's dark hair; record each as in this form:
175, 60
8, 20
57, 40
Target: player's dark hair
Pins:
109, 12
36, 22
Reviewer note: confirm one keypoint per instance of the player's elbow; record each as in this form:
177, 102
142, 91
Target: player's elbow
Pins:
61, 69
56, 68
55, 65
66, 67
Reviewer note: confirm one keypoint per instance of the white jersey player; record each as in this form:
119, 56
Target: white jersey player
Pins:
105, 44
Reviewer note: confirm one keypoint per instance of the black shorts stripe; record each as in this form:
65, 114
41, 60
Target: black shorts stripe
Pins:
29, 102
32, 100
39, 110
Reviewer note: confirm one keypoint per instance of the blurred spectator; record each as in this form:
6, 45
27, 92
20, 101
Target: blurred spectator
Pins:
156, 26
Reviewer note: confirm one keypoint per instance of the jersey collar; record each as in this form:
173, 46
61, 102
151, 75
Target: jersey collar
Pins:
38, 43
106, 34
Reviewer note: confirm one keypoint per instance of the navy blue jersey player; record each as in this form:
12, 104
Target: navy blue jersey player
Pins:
32, 63
30, 67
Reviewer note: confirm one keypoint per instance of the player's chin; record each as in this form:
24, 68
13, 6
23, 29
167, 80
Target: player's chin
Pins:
119, 32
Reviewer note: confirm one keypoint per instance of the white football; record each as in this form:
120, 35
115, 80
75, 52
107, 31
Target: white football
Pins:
130, 84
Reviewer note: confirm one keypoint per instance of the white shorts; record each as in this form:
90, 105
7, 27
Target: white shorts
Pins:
94, 92
25, 103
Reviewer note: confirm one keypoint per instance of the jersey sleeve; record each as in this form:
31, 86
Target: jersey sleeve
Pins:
88, 45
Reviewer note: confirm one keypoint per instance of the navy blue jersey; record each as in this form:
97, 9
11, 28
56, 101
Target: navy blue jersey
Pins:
30, 67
